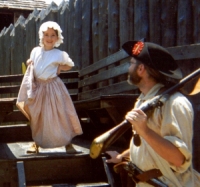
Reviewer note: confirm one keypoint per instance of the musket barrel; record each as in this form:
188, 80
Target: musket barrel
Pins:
182, 82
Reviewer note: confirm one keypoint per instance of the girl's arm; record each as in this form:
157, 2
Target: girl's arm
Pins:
63, 68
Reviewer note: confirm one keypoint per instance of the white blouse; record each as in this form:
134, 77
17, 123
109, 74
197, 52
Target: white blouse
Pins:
46, 62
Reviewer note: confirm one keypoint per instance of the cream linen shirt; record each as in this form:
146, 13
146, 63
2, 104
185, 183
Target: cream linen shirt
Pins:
174, 122
46, 62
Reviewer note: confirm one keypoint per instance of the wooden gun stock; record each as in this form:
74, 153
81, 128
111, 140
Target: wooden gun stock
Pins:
100, 143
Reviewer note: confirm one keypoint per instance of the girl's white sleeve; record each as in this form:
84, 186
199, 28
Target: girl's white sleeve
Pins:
67, 60
32, 54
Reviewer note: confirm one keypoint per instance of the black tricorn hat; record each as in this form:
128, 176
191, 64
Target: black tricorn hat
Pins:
154, 56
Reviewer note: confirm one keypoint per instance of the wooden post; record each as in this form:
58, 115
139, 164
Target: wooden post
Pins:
103, 35
141, 19
169, 22
77, 34
30, 31
21, 174
63, 21
113, 30
184, 23
18, 40
155, 21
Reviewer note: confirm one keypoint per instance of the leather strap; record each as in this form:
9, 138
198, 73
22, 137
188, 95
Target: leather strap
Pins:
136, 175
147, 175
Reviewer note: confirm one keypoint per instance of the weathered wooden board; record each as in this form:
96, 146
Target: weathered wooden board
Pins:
17, 46
154, 21
50, 166
184, 23
168, 23
95, 30
141, 19
86, 34
15, 133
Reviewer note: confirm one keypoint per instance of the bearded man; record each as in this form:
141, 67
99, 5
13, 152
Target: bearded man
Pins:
166, 133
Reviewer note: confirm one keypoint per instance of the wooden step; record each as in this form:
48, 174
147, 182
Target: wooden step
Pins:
98, 184
15, 133
49, 166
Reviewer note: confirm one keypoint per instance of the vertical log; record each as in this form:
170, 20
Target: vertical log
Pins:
126, 27
103, 29
126, 21
95, 30
1, 53
86, 33
51, 13
196, 20
169, 22
2, 50
113, 26
86, 36
63, 12
18, 40
38, 22
113, 30
184, 25
77, 33
30, 25
7, 51
70, 25
155, 21
103, 35
59, 10
141, 19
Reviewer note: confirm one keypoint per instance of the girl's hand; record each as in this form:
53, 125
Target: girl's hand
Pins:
62, 68
28, 62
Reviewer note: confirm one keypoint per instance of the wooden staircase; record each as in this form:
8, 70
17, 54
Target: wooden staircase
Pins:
50, 167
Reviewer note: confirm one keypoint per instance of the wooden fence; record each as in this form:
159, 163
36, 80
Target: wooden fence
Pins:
94, 29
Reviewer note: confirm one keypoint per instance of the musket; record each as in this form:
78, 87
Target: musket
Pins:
103, 141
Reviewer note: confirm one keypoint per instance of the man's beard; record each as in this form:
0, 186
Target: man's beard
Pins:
133, 78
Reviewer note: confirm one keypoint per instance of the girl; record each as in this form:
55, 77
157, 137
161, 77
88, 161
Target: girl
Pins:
43, 97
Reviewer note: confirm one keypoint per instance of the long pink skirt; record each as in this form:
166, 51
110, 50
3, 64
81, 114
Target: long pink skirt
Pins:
53, 118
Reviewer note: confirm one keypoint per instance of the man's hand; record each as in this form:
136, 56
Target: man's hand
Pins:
115, 157
138, 119
160, 145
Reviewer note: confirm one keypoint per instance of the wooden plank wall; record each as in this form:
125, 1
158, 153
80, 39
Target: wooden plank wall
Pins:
94, 29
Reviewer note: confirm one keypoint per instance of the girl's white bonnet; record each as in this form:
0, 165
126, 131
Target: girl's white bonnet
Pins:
44, 27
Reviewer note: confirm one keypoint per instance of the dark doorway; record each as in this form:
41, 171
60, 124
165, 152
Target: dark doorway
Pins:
6, 20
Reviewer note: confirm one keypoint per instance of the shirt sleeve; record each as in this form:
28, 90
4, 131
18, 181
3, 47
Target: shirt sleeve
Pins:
66, 60
32, 54
177, 127
184, 150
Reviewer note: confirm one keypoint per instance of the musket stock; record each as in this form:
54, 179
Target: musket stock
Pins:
100, 143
